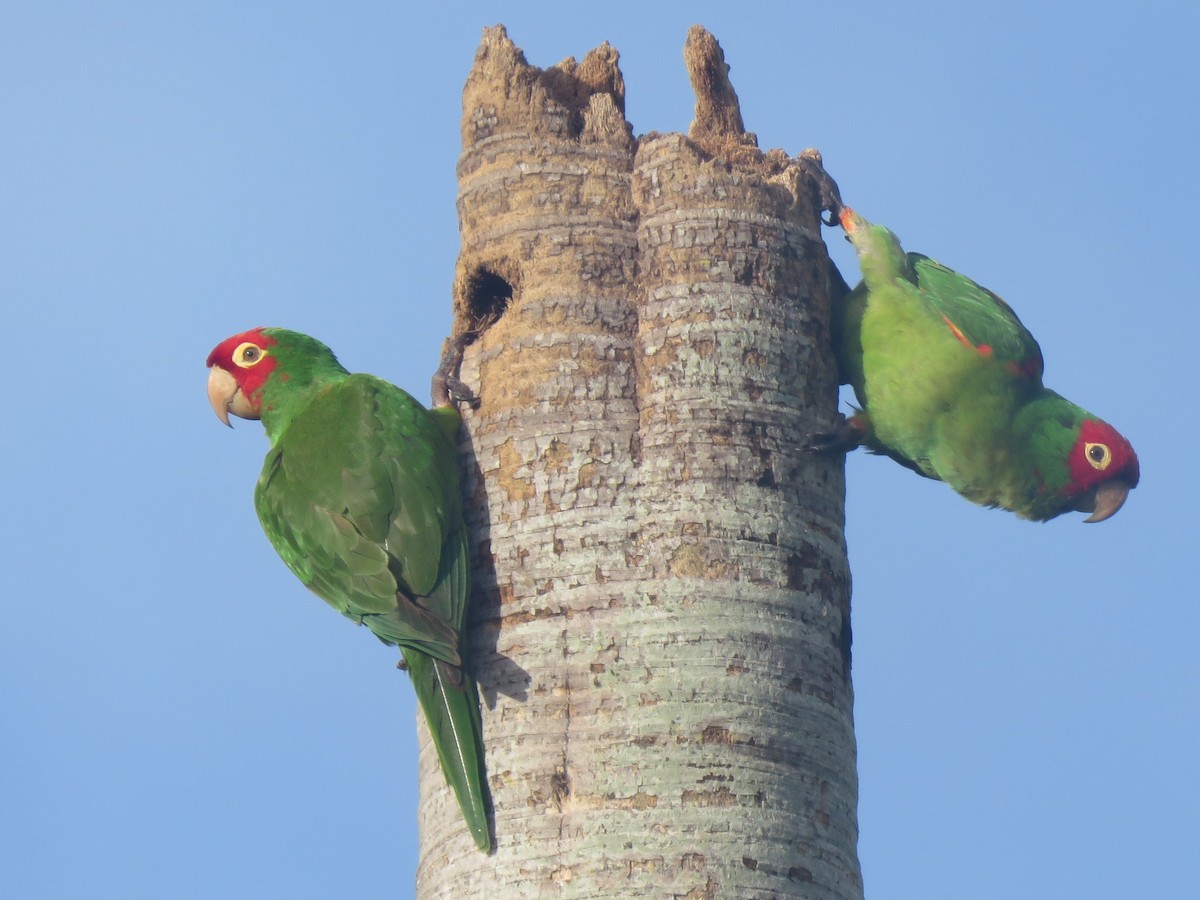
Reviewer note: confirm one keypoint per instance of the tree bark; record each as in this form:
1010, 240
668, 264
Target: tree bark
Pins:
660, 622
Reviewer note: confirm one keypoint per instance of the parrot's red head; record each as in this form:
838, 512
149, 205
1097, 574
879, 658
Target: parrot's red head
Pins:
237, 370
1103, 469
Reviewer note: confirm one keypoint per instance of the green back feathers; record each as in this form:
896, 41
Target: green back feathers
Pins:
976, 316
303, 366
360, 497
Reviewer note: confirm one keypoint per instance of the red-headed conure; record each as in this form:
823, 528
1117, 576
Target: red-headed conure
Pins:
359, 495
950, 384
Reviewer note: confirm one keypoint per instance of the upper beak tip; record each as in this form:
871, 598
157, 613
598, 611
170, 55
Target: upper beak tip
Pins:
1110, 497
221, 389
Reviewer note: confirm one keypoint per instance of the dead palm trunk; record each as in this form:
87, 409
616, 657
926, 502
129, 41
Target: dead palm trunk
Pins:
661, 616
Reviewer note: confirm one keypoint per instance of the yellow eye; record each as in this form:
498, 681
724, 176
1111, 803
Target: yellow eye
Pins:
248, 354
1098, 455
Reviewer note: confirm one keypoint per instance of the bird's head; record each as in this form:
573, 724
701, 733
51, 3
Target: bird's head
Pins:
237, 370
1103, 470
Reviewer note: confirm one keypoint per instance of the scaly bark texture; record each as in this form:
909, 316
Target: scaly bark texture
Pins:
660, 625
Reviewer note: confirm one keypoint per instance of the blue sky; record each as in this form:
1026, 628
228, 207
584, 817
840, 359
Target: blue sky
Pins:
179, 718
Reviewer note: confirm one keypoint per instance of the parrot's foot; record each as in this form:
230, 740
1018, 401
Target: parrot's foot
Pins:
458, 392
447, 388
828, 192
402, 665
844, 436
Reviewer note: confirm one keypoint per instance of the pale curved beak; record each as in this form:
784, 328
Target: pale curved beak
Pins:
226, 397
1104, 501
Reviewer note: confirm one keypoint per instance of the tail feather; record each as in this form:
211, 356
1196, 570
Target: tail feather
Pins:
450, 702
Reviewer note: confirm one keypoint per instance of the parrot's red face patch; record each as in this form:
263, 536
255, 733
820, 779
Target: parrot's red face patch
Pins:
1100, 454
247, 357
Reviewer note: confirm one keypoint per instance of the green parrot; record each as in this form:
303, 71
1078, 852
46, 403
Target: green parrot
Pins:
359, 495
950, 385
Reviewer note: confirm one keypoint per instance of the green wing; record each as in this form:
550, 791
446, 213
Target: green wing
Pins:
977, 316
360, 497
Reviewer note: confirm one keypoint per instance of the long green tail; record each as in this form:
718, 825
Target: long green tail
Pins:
450, 702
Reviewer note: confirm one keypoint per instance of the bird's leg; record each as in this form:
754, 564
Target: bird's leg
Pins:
447, 389
828, 192
844, 436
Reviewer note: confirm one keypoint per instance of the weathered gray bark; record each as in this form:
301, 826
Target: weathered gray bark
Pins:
661, 615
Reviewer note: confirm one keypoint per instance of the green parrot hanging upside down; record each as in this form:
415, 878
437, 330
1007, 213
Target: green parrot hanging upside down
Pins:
359, 495
950, 385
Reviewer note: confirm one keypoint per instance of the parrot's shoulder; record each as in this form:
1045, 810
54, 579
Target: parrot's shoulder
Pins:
361, 500
394, 411
977, 317
359, 416
373, 453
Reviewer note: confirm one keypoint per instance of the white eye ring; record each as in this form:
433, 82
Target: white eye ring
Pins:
1097, 455
248, 354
